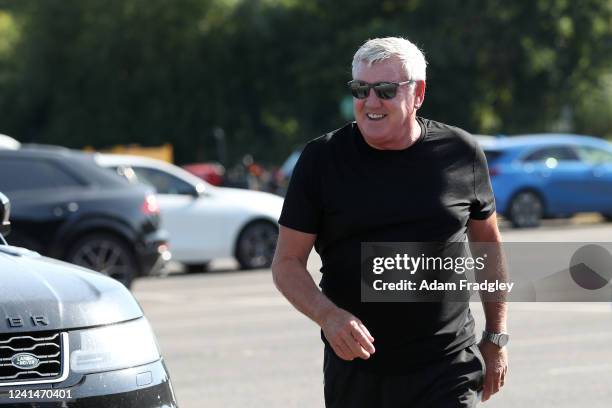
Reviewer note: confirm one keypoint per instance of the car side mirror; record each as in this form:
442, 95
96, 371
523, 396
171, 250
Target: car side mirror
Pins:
5, 213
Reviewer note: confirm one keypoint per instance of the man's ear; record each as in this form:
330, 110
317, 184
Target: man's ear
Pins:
419, 94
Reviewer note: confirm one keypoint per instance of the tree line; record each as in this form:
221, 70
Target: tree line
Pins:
263, 76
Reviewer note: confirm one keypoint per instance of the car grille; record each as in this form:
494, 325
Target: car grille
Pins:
30, 356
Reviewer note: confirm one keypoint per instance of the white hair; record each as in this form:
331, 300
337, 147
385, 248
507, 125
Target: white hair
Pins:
378, 49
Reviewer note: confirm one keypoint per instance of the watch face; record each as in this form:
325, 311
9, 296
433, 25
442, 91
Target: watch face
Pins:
503, 340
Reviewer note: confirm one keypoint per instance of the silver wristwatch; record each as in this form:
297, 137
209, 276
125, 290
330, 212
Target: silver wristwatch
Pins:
499, 339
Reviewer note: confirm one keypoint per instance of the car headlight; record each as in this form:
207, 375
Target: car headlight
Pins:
113, 347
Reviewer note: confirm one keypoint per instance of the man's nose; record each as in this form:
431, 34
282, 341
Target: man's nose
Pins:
372, 99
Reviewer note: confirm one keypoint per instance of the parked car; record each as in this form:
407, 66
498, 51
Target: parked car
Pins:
550, 176
73, 337
65, 206
206, 222
283, 175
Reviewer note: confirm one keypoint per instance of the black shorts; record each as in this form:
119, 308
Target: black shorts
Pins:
452, 382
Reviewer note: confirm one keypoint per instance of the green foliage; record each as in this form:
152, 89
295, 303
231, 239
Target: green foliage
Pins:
272, 73
593, 108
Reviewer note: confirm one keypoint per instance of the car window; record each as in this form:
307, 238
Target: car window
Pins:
163, 182
126, 172
492, 155
287, 167
594, 155
22, 175
559, 153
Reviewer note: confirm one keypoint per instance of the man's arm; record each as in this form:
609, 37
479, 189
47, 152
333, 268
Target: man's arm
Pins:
346, 334
496, 358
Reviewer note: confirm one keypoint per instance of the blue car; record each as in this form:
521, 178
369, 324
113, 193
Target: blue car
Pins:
549, 176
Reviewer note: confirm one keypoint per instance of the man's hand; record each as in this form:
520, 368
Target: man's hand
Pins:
496, 362
346, 334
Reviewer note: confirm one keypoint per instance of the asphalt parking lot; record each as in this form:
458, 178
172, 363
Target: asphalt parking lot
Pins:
230, 340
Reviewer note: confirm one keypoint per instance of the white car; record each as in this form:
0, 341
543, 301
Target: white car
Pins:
206, 222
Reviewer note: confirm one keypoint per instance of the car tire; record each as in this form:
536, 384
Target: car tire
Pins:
256, 245
197, 267
526, 210
106, 254
607, 217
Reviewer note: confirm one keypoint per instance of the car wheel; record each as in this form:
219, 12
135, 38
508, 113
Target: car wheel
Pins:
197, 267
256, 244
526, 210
106, 254
607, 217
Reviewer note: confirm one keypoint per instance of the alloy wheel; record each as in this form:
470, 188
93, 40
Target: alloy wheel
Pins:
256, 245
105, 254
526, 210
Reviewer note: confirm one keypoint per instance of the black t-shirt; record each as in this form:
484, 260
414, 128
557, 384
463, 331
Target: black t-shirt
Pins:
347, 192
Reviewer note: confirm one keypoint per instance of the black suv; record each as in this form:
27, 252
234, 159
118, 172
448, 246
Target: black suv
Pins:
66, 207
71, 337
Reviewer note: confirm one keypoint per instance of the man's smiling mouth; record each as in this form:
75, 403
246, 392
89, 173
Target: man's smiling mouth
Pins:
375, 116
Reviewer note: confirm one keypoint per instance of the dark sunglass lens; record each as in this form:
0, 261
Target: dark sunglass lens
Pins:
360, 91
386, 91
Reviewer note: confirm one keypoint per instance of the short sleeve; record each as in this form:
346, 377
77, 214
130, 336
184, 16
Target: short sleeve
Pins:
483, 203
302, 207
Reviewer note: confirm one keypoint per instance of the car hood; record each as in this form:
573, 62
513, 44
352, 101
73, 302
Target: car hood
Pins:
255, 201
34, 288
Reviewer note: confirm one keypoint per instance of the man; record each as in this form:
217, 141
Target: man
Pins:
390, 177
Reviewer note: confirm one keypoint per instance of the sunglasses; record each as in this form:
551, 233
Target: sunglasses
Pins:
384, 90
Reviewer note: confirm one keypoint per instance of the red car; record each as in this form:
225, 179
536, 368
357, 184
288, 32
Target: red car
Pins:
211, 172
